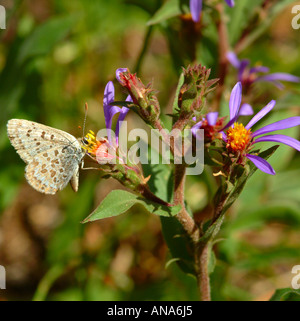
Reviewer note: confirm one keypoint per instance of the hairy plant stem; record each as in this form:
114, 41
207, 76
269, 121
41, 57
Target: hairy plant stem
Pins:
201, 249
182, 122
183, 216
201, 254
168, 140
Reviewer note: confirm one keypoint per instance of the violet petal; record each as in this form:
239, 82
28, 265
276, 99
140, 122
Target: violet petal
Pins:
196, 8
109, 96
261, 164
261, 114
280, 76
279, 125
235, 100
195, 128
259, 69
123, 113
212, 118
246, 110
243, 66
287, 140
224, 136
233, 59
230, 3
118, 71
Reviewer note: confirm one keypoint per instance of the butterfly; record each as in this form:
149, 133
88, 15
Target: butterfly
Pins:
53, 157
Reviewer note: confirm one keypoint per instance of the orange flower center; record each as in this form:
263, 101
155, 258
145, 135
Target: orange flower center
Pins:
90, 143
238, 137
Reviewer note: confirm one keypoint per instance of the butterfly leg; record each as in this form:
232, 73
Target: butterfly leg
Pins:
87, 168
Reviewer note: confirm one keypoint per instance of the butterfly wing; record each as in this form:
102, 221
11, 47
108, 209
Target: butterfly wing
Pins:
51, 170
74, 182
30, 138
53, 156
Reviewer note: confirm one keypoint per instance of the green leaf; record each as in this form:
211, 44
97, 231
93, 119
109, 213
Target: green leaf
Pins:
178, 242
240, 16
229, 193
161, 179
212, 230
169, 9
245, 176
128, 104
254, 260
258, 215
286, 294
261, 28
44, 37
212, 260
118, 202
175, 103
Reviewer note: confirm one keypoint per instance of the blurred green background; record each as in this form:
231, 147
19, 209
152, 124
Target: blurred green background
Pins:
57, 55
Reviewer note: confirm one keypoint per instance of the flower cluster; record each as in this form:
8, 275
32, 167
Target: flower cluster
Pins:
239, 139
213, 125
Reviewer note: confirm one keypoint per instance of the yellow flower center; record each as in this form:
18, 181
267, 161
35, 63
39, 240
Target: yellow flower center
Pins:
238, 137
90, 143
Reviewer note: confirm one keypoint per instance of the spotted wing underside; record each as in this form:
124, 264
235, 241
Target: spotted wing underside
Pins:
53, 156
51, 171
30, 138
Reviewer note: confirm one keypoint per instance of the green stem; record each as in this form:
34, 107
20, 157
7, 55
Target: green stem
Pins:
144, 50
47, 281
223, 61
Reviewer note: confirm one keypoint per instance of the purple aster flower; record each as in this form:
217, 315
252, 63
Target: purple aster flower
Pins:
110, 110
107, 150
240, 139
119, 71
248, 75
213, 125
196, 8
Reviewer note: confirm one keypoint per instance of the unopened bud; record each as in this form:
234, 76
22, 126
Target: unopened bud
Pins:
143, 97
194, 89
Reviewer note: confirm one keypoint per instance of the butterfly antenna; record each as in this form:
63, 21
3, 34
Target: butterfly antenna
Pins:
85, 115
84, 121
